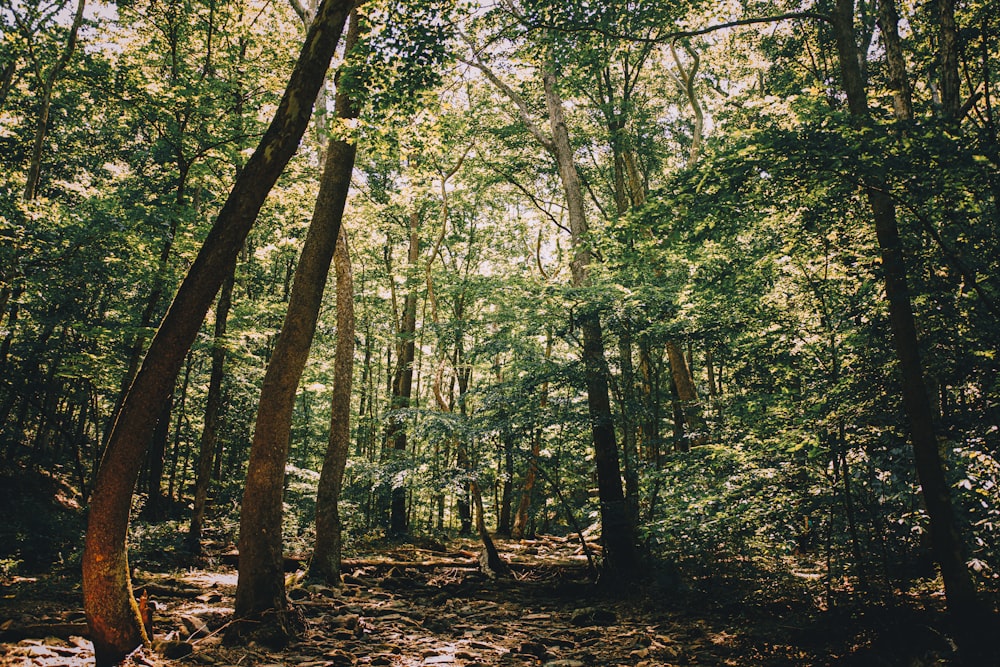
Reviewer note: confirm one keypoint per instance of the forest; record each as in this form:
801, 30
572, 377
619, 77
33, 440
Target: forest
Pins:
521, 332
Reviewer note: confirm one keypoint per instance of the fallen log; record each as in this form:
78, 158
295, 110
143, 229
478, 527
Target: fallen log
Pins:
15, 633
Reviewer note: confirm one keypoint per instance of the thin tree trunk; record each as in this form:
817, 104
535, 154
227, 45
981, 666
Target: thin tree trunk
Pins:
402, 384
154, 464
260, 589
325, 563
42, 123
113, 618
213, 418
507, 493
464, 375
650, 402
694, 431
629, 442
618, 532
951, 101
7, 80
520, 527
181, 412
947, 541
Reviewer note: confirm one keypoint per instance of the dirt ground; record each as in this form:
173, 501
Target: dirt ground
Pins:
405, 606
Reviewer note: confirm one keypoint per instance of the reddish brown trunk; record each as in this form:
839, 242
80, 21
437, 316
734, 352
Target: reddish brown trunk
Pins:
261, 586
112, 615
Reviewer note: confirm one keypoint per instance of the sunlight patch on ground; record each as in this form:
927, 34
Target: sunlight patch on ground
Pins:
210, 579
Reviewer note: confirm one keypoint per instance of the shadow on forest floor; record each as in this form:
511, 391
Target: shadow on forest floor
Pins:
403, 605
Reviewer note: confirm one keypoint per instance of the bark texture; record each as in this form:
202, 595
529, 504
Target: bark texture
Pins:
112, 614
325, 564
261, 586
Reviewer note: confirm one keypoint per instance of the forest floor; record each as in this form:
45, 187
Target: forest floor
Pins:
408, 605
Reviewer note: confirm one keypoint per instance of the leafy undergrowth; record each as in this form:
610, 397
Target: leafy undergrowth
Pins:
409, 605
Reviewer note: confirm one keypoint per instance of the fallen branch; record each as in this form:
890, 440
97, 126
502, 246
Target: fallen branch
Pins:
43, 630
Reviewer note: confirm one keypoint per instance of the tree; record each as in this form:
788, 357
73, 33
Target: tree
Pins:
112, 614
959, 587
325, 563
617, 529
48, 81
260, 592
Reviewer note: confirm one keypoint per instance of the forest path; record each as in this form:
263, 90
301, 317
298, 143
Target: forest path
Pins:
409, 606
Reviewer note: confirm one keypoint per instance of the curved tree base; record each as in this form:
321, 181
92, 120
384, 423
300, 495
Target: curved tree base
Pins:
272, 629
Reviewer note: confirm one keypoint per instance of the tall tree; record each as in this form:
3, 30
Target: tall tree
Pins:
402, 378
325, 563
947, 542
260, 590
112, 614
618, 533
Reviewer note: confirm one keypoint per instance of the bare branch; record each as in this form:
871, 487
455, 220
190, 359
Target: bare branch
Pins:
678, 34
522, 107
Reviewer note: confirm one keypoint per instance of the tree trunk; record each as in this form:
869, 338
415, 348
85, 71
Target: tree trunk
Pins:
520, 527
490, 561
42, 123
947, 542
462, 455
112, 614
629, 442
261, 586
951, 101
694, 431
650, 388
153, 510
213, 418
507, 493
325, 564
7, 80
617, 530
402, 384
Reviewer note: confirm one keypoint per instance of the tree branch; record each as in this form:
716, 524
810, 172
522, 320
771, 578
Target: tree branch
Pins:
522, 107
678, 34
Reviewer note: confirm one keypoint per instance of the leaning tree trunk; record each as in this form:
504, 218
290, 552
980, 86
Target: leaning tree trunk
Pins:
960, 591
260, 590
112, 613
